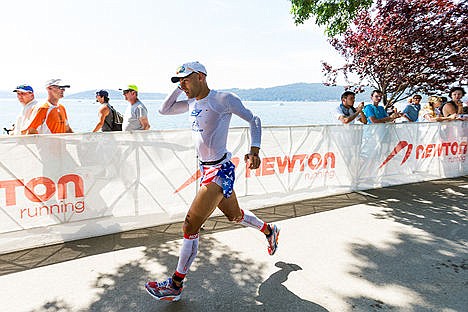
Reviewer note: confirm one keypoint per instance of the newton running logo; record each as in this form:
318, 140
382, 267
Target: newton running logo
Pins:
428, 150
401, 145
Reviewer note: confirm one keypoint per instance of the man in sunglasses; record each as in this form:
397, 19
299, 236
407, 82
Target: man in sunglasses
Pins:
25, 95
210, 114
411, 111
136, 115
51, 117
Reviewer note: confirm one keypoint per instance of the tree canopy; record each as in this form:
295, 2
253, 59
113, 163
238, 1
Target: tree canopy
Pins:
406, 46
335, 15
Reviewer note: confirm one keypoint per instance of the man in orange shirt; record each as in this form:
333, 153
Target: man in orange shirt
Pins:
51, 117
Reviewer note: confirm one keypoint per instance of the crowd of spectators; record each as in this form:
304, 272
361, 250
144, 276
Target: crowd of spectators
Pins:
437, 109
51, 116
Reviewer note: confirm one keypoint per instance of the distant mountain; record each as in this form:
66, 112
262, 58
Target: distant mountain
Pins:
296, 92
291, 92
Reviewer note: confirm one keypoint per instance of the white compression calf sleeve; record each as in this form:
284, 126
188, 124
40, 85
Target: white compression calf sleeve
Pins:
251, 220
188, 252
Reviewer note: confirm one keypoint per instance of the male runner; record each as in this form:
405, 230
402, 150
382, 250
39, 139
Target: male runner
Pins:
210, 113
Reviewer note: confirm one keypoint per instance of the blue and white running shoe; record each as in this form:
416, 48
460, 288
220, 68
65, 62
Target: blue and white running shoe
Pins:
164, 290
273, 239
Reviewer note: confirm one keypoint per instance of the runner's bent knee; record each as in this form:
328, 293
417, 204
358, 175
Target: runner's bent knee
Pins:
235, 217
230, 208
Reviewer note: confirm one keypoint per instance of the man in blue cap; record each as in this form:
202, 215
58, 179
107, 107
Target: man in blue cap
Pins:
106, 113
25, 95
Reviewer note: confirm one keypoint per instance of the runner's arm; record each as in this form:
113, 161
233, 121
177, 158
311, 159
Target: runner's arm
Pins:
253, 158
171, 106
237, 108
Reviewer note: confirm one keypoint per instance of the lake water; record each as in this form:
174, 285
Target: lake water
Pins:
82, 114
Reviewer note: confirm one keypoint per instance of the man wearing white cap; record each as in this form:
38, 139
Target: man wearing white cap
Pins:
210, 113
51, 117
25, 95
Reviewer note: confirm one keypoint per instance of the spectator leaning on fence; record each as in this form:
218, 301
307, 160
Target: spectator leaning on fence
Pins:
455, 106
411, 111
376, 113
431, 111
346, 112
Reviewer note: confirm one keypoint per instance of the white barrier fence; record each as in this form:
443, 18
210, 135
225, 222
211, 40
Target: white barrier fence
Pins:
56, 188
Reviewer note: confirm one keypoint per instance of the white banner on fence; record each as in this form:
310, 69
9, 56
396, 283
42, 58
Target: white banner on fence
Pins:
56, 188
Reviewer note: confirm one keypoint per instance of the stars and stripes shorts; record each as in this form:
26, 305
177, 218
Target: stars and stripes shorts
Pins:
222, 174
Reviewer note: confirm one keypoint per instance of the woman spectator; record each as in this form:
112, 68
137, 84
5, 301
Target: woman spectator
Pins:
455, 106
431, 111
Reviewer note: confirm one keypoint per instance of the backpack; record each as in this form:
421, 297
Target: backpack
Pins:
117, 119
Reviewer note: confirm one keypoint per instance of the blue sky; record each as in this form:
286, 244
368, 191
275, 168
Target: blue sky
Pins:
108, 44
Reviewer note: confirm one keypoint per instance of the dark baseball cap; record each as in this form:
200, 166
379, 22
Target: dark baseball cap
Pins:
103, 93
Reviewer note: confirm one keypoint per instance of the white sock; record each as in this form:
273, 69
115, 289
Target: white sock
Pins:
188, 252
251, 220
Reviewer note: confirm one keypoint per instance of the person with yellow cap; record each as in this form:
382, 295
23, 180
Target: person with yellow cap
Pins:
136, 115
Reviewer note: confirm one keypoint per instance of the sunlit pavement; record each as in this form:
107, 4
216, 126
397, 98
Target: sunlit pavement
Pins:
401, 248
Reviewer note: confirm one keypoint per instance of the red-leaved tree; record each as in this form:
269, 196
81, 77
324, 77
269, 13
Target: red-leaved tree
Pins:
405, 46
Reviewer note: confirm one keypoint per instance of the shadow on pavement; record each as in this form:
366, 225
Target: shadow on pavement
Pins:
220, 281
276, 297
47, 255
439, 211
223, 280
